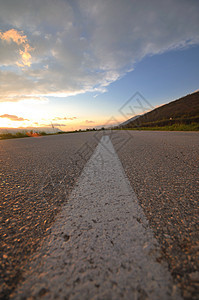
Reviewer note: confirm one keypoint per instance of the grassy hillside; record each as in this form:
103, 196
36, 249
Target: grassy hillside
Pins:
182, 111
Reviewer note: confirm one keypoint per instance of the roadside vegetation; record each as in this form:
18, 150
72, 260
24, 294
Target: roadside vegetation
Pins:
4, 136
174, 127
20, 134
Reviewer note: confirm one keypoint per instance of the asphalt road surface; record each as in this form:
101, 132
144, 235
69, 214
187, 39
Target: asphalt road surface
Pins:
38, 176
163, 169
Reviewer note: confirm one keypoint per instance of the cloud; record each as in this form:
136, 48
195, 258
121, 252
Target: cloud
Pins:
24, 98
64, 118
84, 45
13, 117
89, 122
59, 124
26, 56
13, 35
20, 39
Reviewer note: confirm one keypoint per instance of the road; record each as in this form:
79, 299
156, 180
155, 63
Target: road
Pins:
163, 170
39, 174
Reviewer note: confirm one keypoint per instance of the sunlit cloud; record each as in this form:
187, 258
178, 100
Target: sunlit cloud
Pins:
17, 37
107, 43
64, 118
26, 56
59, 124
89, 122
13, 117
30, 99
13, 35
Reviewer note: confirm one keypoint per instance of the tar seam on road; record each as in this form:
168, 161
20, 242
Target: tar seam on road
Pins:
101, 246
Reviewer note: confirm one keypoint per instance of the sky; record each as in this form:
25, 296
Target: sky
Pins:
89, 63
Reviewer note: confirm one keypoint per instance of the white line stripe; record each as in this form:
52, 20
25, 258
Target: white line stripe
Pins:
101, 246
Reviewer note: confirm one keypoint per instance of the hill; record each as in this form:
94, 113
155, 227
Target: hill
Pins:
129, 120
181, 111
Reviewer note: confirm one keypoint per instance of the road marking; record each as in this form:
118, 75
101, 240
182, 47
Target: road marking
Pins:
101, 245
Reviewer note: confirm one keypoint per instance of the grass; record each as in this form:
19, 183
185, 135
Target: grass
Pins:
174, 127
5, 136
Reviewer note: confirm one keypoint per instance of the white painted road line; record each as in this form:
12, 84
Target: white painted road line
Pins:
101, 246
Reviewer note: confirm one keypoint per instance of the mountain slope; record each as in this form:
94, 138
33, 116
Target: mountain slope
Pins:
183, 111
129, 120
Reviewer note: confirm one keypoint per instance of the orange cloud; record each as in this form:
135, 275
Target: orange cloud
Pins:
59, 118
13, 35
20, 39
26, 56
89, 122
13, 117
